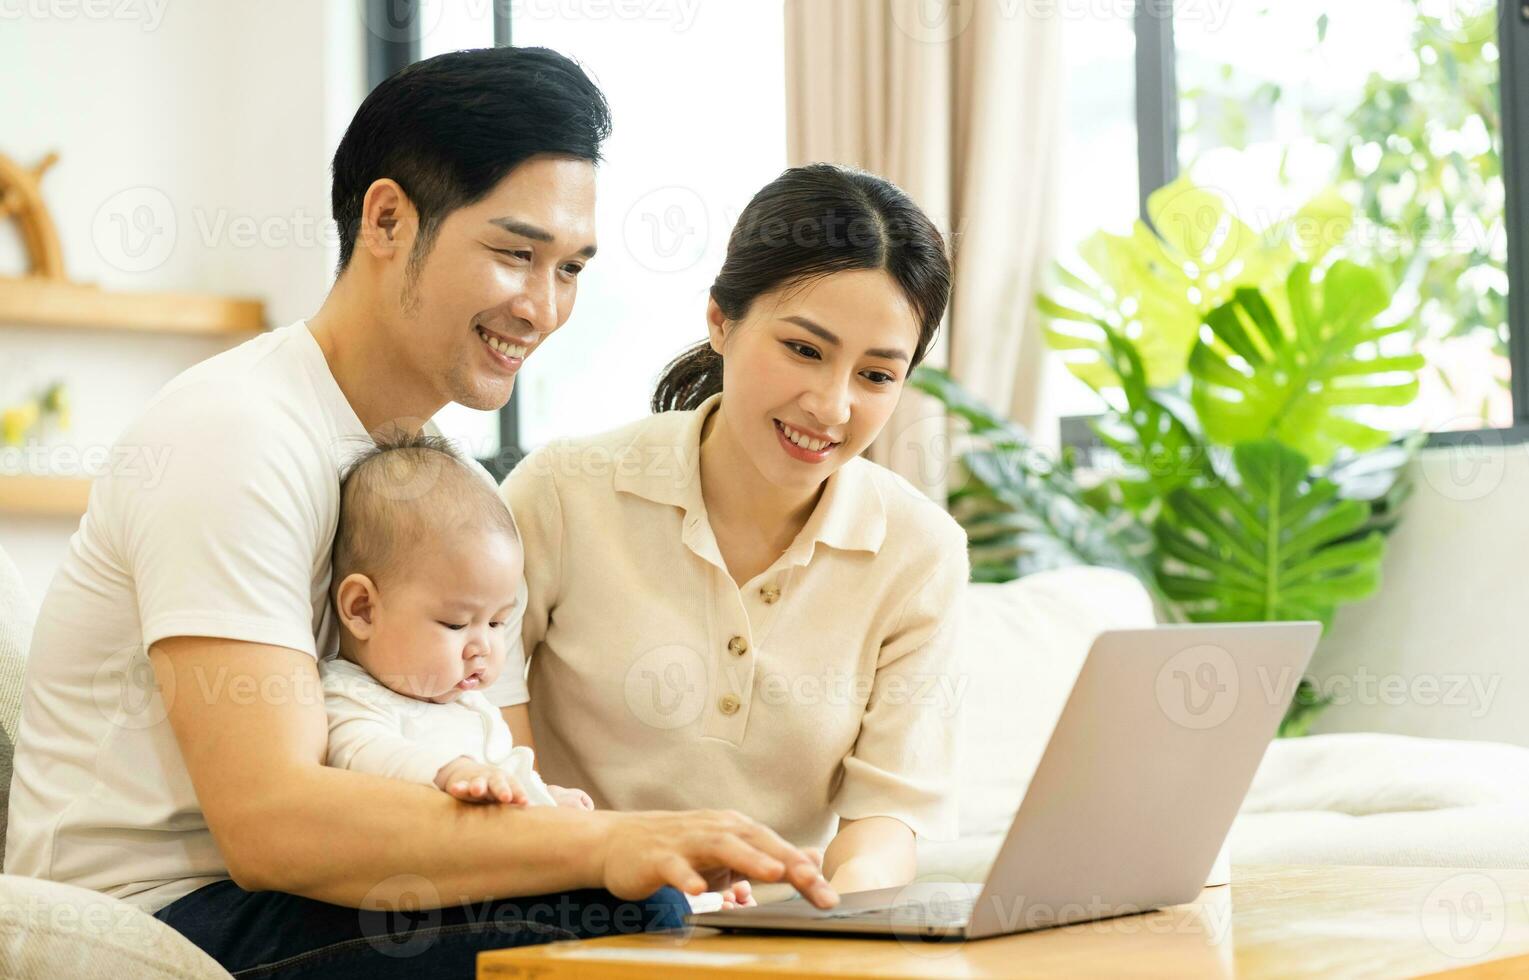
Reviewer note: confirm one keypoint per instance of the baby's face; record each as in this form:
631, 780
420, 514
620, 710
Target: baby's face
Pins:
441, 624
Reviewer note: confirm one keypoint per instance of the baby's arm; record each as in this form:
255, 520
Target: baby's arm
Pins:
366, 736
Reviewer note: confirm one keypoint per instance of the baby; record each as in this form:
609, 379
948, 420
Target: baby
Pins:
426, 581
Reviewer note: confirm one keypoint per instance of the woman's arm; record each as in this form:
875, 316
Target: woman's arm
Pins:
899, 779
875, 852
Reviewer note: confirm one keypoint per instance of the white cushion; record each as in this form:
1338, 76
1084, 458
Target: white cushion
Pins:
1021, 645
1364, 773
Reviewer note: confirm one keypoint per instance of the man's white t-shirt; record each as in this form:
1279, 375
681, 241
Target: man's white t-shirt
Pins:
218, 522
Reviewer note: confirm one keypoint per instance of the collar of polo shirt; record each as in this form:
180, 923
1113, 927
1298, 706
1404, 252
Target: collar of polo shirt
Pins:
662, 463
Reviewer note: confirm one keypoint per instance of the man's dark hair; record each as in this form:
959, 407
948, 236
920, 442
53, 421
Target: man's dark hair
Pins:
448, 129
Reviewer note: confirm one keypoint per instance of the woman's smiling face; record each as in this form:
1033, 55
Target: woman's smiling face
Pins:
813, 371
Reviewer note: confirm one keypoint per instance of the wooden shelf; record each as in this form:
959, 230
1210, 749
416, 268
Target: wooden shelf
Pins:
44, 496
40, 302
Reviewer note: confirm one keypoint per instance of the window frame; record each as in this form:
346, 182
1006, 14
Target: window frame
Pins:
388, 55
1157, 128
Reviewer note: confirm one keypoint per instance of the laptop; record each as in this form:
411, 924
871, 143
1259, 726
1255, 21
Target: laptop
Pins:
1135, 794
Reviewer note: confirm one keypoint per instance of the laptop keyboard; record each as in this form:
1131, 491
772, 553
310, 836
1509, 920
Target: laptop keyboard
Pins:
946, 911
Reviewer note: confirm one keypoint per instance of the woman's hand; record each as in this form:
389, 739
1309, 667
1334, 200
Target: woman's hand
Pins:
575, 799
475, 782
706, 850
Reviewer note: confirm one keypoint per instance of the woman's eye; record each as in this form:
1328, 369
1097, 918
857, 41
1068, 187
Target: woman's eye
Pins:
879, 377
495, 625
803, 349
453, 626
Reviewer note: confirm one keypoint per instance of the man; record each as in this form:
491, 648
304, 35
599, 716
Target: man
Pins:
173, 736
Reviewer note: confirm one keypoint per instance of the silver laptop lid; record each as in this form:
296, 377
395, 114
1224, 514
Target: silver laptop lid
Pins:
1145, 770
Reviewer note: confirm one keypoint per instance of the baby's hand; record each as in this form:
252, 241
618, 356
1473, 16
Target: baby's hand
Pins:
575, 798
475, 782
740, 895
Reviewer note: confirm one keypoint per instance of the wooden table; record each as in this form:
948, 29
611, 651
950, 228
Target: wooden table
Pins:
1270, 922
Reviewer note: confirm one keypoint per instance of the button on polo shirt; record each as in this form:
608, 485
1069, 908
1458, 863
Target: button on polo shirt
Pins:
823, 688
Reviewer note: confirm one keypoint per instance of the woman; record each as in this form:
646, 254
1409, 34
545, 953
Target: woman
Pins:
729, 608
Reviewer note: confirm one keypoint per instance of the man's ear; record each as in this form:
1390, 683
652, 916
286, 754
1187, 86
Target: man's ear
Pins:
356, 603
388, 219
716, 325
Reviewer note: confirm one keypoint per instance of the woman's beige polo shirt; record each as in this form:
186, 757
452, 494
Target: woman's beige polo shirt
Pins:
823, 688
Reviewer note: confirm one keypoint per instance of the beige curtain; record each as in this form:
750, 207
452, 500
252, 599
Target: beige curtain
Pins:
958, 102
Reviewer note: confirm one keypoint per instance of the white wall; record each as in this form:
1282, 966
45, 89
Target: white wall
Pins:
213, 121
1443, 649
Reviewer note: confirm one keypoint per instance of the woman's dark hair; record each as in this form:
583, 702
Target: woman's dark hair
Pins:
449, 128
808, 223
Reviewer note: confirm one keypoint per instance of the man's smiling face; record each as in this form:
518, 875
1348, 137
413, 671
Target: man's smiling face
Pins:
499, 278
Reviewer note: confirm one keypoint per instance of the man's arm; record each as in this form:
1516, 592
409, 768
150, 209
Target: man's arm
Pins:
249, 720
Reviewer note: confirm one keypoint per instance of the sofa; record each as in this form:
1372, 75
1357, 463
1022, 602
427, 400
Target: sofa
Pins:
1326, 799
1350, 798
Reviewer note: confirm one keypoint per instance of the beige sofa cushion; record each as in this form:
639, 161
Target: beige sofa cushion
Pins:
50, 930
1021, 646
16, 615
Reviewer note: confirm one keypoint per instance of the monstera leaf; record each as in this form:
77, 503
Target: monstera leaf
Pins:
1273, 545
1154, 287
1158, 450
1022, 509
1301, 377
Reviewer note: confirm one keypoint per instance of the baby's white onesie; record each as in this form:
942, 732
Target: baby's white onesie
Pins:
377, 730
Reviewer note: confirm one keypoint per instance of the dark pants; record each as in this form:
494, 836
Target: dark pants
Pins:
273, 934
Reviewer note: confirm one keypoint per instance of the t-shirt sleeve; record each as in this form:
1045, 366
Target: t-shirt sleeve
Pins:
532, 495
226, 535
904, 760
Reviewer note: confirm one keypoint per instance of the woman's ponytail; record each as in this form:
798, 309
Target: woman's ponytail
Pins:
689, 379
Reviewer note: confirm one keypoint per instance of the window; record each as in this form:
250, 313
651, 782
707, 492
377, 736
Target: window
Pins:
1098, 155
1415, 112
699, 125
698, 107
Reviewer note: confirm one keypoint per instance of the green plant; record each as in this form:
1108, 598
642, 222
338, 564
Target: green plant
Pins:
1254, 481
20, 419
1419, 155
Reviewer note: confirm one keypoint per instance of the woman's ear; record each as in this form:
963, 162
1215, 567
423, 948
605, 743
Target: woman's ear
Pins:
716, 324
356, 603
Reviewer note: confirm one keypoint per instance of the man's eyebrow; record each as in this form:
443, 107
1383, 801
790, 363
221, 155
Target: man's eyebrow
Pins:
888, 353
526, 230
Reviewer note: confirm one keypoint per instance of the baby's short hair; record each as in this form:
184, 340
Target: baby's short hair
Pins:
405, 491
